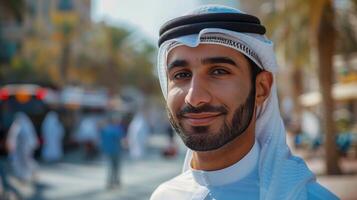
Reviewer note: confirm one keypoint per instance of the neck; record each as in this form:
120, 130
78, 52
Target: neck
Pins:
227, 155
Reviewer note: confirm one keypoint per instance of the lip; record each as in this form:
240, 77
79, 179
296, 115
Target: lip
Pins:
200, 119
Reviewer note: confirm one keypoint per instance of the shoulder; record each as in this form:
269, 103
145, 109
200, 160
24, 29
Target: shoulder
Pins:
317, 191
179, 187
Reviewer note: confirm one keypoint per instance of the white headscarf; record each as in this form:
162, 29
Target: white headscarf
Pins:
282, 175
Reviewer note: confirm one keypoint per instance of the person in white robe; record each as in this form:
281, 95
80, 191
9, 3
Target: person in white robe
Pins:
52, 134
22, 142
88, 135
138, 132
217, 73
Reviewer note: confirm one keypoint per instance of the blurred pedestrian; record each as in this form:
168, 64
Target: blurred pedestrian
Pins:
311, 127
344, 143
52, 134
171, 150
111, 135
7, 191
22, 142
138, 133
88, 134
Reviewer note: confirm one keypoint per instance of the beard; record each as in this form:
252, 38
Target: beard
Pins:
202, 139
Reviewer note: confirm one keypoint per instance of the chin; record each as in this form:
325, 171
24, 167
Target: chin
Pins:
203, 141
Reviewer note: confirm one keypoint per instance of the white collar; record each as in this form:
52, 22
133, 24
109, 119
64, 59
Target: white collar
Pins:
230, 174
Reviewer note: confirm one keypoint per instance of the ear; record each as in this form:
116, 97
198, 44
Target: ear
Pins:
263, 85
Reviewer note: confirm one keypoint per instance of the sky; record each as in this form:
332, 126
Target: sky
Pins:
146, 17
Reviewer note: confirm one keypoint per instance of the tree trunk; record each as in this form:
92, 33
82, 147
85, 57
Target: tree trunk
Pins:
64, 65
298, 89
326, 35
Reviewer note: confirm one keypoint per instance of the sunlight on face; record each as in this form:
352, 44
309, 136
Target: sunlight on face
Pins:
210, 96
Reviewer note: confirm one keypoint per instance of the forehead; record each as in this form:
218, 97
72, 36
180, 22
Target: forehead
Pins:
184, 52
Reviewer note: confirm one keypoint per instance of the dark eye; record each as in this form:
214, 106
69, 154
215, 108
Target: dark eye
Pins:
219, 71
182, 75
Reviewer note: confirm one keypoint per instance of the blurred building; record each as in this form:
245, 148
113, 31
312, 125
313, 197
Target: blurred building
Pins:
45, 15
42, 31
41, 34
20, 19
56, 25
11, 31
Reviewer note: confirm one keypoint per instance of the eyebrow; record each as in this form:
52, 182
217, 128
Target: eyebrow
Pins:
205, 61
221, 60
177, 63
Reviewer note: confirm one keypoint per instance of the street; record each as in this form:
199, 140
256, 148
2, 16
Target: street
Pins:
77, 179
344, 186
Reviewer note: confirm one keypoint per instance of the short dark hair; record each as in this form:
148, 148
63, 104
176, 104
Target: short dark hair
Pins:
255, 69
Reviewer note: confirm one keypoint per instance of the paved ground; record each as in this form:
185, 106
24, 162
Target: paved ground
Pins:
344, 186
77, 179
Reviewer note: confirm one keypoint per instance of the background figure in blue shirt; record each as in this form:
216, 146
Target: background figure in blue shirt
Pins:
111, 135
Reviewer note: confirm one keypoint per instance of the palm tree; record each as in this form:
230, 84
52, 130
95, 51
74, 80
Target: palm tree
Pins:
326, 37
288, 23
66, 29
319, 16
284, 23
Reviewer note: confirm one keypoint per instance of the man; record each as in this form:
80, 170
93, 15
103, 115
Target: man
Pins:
21, 143
216, 71
52, 134
138, 133
88, 133
111, 136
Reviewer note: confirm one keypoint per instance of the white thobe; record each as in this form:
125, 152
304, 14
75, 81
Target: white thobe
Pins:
239, 181
52, 133
138, 133
22, 141
88, 130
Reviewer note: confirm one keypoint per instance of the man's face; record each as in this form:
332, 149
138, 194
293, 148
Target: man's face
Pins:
210, 95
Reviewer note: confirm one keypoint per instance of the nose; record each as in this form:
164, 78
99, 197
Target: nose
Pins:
198, 93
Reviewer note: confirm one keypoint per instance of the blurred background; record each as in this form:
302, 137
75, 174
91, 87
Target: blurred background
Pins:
81, 111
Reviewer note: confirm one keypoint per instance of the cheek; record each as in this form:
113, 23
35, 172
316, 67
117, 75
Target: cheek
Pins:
232, 94
175, 99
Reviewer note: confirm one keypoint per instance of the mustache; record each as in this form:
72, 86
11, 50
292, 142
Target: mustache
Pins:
204, 108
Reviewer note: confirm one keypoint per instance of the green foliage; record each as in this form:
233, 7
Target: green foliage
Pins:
117, 37
22, 71
115, 59
289, 28
293, 26
87, 54
347, 32
66, 29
